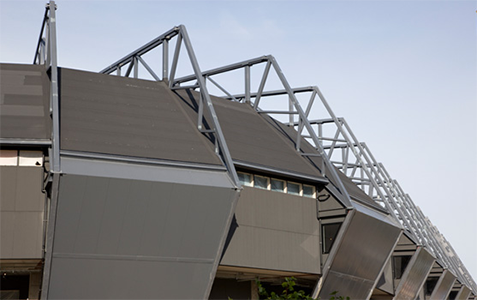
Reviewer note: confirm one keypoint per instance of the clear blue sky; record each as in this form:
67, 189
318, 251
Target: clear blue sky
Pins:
402, 73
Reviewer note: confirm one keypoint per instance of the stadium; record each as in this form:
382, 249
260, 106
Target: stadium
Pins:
116, 186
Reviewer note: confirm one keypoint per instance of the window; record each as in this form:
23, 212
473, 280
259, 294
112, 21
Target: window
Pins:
293, 188
431, 283
308, 191
400, 263
8, 157
260, 182
330, 232
278, 185
245, 179
21, 158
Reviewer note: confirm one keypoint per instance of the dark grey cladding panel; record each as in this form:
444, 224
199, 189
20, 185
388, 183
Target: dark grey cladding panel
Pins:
361, 255
251, 138
464, 293
129, 117
122, 238
415, 274
274, 231
24, 104
444, 286
21, 212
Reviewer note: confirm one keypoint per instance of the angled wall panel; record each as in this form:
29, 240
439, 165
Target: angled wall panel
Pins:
360, 257
118, 237
415, 274
274, 231
444, 286
463, 293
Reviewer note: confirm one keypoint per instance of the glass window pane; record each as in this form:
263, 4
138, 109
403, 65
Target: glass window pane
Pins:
8, 157
278, 185
245, 179
431, 283
293, 188
30, 158
330, 231
400, 263
309, 191
260, 182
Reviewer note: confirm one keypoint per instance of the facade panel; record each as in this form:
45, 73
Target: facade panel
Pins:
415, 274
274, 231
444, 286
359, 258
22, 205
125, 238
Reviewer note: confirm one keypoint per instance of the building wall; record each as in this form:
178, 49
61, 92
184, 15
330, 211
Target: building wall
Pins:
274, 231
21, 208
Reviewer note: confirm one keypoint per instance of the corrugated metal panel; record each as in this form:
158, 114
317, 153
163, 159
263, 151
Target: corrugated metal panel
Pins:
271, 226
444, 286
360, 257
122, 238
464, 293
415, 274
21, 206
24, 105
251, 138
129, 117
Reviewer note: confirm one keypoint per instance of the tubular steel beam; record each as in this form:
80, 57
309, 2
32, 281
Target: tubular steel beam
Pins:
142, 50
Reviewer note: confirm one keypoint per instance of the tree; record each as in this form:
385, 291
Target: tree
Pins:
289, 292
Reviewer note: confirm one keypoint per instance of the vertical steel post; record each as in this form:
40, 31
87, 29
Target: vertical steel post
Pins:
247, 84
165, 59
175, 59
136, 67
55, 114
50, 235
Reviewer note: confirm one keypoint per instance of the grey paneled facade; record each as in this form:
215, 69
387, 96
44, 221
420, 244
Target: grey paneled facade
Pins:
415, 275
360, 257
274, 231
124, 238
22, 208
24, 104
444, 286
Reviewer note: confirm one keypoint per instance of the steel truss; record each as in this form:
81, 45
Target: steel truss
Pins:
341, 149
135, 58
346, 153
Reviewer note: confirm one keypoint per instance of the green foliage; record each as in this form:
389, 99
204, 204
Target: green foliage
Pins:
335, 296
289, 292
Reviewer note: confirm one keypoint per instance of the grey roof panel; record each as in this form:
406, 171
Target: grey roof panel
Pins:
129, 117
24, 104
250, 138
